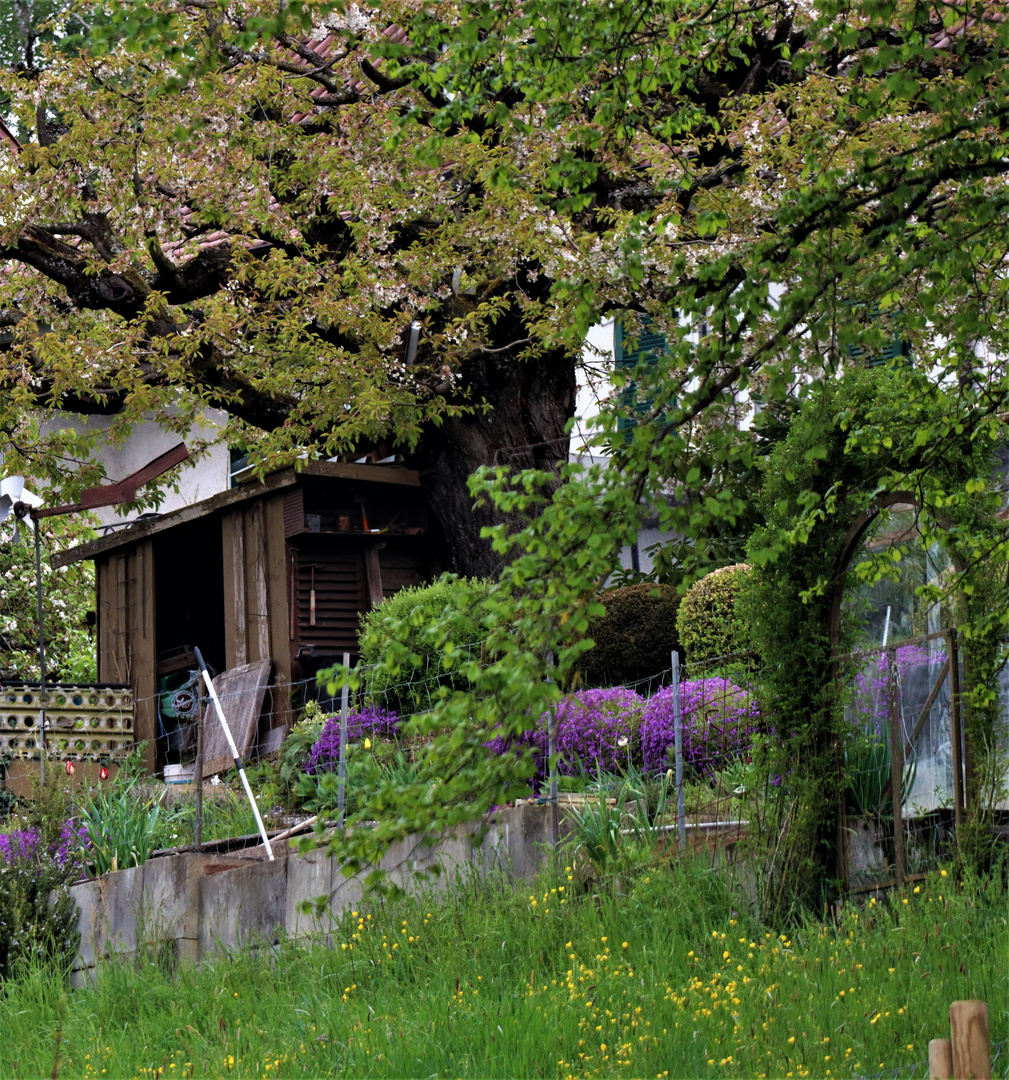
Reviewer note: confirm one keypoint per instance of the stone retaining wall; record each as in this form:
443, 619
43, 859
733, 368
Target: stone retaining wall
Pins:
195, 903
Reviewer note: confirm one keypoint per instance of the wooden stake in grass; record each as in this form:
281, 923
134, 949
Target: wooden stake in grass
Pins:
968, 1026
940, 1059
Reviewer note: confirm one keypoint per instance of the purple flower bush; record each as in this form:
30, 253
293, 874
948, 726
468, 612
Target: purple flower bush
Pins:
871, 693
367, 723
597, 729
536, 740
38, 917
719, 719
25, 845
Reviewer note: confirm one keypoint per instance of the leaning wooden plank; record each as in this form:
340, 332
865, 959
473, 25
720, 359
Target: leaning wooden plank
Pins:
241, 691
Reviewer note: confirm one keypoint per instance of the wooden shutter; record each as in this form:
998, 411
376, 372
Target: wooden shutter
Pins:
340, 597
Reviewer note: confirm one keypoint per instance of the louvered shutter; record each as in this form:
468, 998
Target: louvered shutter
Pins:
630, 350
341, 597
893, 348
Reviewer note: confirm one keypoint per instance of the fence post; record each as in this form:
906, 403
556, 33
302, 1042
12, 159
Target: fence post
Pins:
681, 816
940, 1059
956, 728
341, 788
201, 709
896, 766
968, 1026
555, 825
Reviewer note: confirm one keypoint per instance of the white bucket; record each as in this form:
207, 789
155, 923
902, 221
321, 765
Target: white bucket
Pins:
179, 774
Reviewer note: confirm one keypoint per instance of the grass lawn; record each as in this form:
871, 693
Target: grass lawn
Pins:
662, 976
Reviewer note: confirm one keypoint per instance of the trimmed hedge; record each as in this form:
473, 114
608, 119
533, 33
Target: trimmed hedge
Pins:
423, 609
707, 622
636, 636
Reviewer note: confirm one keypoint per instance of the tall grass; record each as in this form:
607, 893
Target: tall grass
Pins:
664, 975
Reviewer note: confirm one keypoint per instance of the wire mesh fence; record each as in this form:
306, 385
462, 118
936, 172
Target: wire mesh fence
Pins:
603, 735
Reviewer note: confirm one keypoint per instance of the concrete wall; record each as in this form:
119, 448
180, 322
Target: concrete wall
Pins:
194, 904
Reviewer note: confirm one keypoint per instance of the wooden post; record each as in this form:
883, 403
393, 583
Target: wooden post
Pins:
940, 1059
896, 766
198, 771
956, 733
968, 1026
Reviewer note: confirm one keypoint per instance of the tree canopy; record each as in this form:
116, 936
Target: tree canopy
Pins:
223, 205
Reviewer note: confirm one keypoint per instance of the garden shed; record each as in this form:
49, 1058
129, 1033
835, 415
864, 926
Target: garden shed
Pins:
277, 571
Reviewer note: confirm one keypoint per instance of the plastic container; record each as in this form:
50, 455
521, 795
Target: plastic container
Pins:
179, 774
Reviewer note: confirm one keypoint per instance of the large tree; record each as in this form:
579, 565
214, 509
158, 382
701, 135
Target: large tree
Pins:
220, 204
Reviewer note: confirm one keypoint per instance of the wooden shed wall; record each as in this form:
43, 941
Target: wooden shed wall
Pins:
255, 593
126, 642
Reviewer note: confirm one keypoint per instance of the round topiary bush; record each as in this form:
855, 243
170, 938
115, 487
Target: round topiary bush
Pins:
718, 721
418, 618
636, 636
707, 622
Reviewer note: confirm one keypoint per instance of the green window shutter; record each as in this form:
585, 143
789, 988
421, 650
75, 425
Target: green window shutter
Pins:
629, 351
889, 352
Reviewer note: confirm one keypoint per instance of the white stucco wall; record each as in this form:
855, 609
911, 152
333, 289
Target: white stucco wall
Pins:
206, 477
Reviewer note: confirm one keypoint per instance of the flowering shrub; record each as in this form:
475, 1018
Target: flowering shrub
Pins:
19, 845
38, 917
596, 732
597, 729
536, 740
65, 853
367, 723
718, 723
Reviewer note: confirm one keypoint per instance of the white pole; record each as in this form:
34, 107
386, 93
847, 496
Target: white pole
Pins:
341, 789
681, 814
234, 752
886, 626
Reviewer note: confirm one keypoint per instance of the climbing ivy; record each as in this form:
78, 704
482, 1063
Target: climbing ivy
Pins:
868, 433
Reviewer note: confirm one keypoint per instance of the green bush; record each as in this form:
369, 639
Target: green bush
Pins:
38, 916
429, 614
294, 753
636, 636
707, 621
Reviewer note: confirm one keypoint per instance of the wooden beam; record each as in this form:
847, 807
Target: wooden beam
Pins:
276, 574
373, 571
257, 603
140, 530
372, 474
141, 647
239, 612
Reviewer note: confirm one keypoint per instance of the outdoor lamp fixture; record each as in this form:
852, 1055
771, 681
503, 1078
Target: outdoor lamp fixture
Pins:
16, 499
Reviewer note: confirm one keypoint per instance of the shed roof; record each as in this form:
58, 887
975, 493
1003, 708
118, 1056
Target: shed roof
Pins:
278, 481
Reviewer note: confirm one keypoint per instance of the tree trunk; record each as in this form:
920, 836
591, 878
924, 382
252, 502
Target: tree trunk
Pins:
532, 403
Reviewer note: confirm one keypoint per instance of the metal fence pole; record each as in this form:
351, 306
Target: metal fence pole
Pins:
956, 729
551, 755
681, 814
201, 709
341, 791
896, 766
42, 654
